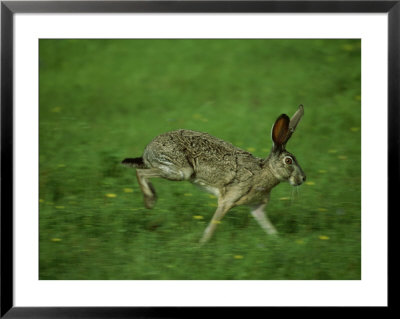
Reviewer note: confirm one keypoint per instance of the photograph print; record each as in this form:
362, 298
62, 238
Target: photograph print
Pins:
199, 159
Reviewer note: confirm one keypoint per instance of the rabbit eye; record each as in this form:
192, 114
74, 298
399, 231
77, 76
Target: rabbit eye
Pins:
288, 160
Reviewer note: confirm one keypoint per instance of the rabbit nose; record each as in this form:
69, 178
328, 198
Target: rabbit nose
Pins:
304, 178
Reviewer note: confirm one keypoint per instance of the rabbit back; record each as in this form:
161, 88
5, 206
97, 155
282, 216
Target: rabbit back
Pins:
201, 158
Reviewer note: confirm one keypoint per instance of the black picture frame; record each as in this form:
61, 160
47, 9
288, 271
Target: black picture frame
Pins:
9, 8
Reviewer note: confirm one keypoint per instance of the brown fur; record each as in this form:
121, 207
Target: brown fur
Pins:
235, 176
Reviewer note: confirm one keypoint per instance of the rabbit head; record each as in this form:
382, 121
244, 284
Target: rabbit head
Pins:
283, 164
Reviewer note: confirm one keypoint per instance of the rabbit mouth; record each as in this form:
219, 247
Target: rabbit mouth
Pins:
296, 181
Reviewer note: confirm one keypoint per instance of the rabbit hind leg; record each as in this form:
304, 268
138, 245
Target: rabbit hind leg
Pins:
149, 193
143, 176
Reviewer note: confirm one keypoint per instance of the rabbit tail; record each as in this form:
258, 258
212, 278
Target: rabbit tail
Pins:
136, 162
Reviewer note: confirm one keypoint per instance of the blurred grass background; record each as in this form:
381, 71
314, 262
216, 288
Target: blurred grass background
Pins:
104, 100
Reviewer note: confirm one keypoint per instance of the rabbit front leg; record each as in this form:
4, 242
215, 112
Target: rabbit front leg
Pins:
222, 209
261, 217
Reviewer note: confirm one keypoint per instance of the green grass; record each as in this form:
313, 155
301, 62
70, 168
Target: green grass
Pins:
104, 100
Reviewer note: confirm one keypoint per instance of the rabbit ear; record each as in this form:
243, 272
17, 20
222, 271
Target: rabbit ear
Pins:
280, 131
296, 118
294, 121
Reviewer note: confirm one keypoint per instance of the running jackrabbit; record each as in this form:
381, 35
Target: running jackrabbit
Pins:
235, 176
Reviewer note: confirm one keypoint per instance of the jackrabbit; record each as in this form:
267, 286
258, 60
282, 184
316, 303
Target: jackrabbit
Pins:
235, 176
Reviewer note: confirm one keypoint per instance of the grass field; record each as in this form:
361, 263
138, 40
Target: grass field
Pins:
104, 100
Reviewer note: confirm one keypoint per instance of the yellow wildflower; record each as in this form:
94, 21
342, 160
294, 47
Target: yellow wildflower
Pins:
110, 195
323, 237
348, 47
238, 257
198, 217
128, 190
